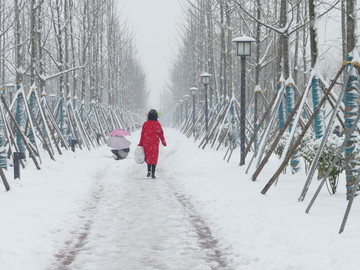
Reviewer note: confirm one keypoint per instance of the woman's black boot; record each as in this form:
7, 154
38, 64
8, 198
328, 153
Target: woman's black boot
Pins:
149, 170
153, 171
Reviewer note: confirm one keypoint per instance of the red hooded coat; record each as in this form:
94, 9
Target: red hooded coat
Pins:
151, 133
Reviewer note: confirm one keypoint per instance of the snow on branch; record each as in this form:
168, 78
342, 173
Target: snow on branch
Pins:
45, 78
287, 29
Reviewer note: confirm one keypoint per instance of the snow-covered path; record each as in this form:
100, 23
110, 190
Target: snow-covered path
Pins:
133, 222
87, 211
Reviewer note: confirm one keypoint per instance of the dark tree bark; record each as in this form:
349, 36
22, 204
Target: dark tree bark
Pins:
313, 33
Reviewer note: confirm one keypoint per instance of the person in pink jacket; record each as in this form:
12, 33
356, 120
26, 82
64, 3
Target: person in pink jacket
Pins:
151, 135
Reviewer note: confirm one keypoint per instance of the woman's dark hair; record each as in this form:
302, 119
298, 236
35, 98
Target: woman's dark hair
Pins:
153, 115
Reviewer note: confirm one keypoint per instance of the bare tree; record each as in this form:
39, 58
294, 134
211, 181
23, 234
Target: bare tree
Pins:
18, 43
350, 100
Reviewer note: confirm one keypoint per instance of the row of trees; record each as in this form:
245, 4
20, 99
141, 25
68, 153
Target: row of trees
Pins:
286, 57
82, 48
286, 42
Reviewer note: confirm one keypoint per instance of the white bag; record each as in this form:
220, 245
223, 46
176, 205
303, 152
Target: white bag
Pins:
139, 155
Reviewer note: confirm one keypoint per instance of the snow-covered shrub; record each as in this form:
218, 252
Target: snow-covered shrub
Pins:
225, 135
279, 149
309, 148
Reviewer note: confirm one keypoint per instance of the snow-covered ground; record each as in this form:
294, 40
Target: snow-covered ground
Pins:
88, 211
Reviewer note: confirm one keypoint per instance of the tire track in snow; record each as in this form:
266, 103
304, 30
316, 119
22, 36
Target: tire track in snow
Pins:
140, 224
168, 202
215, 255
208, 243
76, 244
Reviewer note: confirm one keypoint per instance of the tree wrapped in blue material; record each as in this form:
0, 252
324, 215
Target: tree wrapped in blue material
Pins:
290, 101
20, 119
44, 128
62, 116
289, 94
3, 158
281, 112
32, 107
82, 111
233, 122
350, 100
319, 119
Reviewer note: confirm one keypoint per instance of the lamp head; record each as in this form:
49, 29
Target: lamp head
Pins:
193, 90
243, 45
205, 78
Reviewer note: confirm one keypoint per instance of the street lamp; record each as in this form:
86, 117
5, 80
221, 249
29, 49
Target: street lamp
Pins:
205, 79
243, 49
193, 91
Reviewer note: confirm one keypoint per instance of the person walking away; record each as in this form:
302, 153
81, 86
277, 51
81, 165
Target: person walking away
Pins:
151, 135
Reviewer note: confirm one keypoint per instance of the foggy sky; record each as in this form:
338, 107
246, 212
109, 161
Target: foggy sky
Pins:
154, 24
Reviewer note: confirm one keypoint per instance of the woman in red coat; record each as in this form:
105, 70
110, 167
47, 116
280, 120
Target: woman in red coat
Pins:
151, 134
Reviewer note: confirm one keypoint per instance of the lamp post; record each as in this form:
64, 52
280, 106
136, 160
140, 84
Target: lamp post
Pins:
181, 102
205, 79
243, 49
176, 114
193, 91
186, 99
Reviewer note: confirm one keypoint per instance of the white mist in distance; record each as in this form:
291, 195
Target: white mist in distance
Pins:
154, 23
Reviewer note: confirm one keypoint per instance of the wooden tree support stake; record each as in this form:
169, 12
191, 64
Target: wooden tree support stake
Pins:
23, 137
3, 178
299, 139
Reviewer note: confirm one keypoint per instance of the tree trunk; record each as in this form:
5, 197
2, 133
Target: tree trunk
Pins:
343, 28
229, 50
313, 33
210, 51
350, 100
84, 49
297, 42
34, 31
223, 61
257, 72
66, 48
41, 70
18, 44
